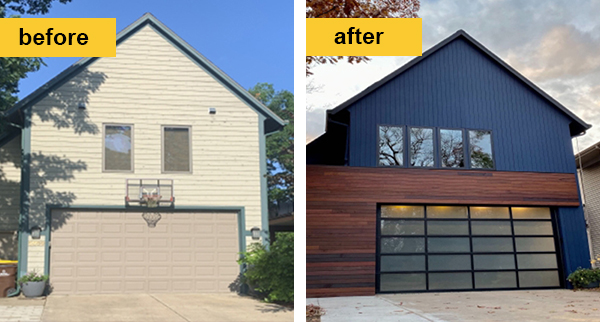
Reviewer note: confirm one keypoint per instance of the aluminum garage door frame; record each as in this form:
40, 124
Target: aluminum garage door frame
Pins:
241, 219
472, 270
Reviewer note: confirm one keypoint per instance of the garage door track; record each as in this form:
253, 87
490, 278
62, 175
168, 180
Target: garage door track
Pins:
162, 307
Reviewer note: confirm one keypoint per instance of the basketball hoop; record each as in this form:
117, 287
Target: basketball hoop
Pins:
151, 200
151, 218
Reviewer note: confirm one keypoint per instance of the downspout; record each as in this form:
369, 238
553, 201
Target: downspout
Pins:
585, 214
24, 197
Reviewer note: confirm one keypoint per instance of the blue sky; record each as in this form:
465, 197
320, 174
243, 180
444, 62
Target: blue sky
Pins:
251, 41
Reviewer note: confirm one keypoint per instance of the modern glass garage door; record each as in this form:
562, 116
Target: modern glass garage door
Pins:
440, 248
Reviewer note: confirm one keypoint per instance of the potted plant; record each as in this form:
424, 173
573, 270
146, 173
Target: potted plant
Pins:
33, 284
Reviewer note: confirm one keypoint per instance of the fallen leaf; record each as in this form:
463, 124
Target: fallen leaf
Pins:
480, 306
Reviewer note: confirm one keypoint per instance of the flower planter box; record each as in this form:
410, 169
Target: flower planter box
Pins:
33, 289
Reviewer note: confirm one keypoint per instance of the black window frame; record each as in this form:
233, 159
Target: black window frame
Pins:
404, 145
406, 155
556, 237
434, 150
468, 137
439, 147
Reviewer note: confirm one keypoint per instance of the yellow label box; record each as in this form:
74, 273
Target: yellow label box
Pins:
58, 37
363, 37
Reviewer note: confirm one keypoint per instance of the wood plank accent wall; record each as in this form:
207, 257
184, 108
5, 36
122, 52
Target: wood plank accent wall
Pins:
341, 206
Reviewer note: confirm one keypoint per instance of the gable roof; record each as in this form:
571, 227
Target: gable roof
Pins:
272, 121
577, 126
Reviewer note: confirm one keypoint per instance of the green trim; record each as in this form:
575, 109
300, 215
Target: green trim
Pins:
241, 212
275, 123
264, 191
24, 203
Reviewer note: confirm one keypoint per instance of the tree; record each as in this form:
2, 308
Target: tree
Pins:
280, 145
13, 69
356, 9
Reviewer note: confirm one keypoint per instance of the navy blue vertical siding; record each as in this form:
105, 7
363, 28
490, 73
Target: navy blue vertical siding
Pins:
460, 87
574, 241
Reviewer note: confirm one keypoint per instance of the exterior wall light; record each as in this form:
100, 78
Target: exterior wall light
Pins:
212, 110
36, 232
81, 105
255, 233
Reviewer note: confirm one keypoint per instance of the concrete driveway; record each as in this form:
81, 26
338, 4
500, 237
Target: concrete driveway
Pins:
143, 308
546, 305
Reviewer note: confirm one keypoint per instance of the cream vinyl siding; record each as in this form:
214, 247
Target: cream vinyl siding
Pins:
150, 84
10, 178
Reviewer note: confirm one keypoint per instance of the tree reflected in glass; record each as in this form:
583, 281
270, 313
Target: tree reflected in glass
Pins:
391, 146
480, 148
421, 147
452, 153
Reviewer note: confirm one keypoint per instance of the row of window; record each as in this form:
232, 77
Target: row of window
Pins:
118, 148
424, 147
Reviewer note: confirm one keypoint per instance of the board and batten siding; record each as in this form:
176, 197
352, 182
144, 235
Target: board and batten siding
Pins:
10, 178
460, 87
148, 85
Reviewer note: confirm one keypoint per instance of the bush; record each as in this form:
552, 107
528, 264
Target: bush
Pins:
272, 271
33, 277
582, 277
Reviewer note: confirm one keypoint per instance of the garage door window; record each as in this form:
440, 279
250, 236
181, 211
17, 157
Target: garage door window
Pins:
433, 248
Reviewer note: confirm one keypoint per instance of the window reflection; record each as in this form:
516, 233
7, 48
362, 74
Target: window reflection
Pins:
421, 147
480, 148
452, 153
391, 146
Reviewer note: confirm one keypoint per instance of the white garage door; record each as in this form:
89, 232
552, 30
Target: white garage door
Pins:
116, 252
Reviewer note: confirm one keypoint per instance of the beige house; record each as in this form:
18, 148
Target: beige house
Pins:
92, 149
588, 169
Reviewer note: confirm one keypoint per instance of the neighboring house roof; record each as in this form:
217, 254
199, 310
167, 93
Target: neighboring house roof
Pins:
588, 157
577, 127
273, 122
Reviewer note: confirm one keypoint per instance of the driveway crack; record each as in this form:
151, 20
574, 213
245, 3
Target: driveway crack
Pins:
411, 311
168, 307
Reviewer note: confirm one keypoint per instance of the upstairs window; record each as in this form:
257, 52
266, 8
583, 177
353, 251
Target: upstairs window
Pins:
480, 149
452, 150
177, 151
118, 151
391, 145
421, 147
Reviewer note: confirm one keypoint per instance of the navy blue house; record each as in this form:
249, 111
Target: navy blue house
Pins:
454, 172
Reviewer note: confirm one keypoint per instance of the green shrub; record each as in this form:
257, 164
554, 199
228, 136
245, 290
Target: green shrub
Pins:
33, 277
271, 272
582, 277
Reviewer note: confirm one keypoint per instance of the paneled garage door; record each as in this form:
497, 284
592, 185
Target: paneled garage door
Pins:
117, 252
438, 248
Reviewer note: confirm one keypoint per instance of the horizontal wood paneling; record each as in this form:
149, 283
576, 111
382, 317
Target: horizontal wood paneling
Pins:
393, 185
341, 207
